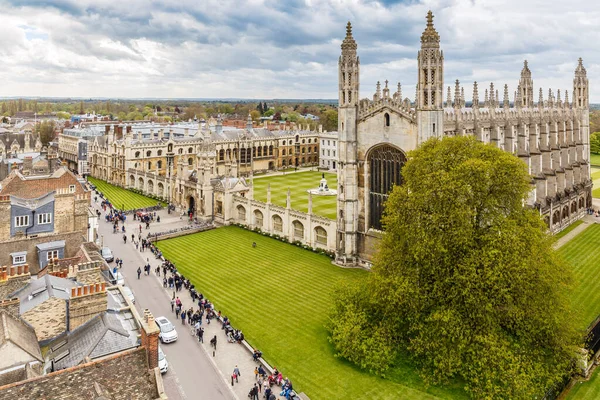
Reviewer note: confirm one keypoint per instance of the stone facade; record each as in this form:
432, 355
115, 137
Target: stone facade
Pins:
375, 135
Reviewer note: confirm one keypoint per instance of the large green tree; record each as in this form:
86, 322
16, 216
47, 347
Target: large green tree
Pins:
466, 282
595, 143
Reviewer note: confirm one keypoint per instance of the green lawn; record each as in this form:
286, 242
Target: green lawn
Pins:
568, 229
279, 295
298, 183
595, 159
123, 198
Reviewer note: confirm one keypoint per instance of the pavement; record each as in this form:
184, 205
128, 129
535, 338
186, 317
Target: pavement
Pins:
194, 371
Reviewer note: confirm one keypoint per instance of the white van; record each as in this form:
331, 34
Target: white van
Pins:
116, 278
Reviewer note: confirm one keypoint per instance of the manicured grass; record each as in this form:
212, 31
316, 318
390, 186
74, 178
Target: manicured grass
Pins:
589, 390
595, 173
595, 159
279, 295
123, 198
568, 229
581, 252
298, 183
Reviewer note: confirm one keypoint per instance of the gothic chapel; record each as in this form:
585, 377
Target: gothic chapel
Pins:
375, 134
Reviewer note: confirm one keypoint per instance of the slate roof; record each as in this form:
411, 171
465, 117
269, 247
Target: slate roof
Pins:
35, 186
40, 290
19, 333
102, 335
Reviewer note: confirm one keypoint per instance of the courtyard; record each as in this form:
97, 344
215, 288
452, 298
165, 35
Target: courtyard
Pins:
123, 198
298, 183
279, 295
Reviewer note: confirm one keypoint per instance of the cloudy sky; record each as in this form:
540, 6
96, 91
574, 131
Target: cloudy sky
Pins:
265, 49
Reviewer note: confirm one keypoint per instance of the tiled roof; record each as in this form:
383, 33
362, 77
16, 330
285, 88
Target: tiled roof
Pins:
32, 187
40, 290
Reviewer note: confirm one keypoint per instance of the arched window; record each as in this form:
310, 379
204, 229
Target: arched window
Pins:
303, 149
298, 230
271, 150
137, 154
265, 149
385, 167
180, 151
258, 218
221, 155
386, 117
159, 164
159, 153
259, 151
283, 152
190, 161
190, 150
148, 153
170, 148
303, 141
241, 213
149, 164
277, 223
320, 236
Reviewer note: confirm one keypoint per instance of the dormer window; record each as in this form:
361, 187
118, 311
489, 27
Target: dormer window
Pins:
71, 188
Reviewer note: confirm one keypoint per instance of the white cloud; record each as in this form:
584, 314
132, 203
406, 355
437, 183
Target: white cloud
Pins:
269, 48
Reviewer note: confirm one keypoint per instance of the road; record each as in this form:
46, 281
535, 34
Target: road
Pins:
192, 374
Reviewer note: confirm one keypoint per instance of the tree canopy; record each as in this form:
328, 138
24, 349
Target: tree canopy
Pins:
466, 282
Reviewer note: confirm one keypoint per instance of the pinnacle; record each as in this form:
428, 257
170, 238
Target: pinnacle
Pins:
348, 29
429, 19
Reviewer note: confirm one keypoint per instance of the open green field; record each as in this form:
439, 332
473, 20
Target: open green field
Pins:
568, 229
279, 295
123, 198
298, 183
581, 252
595, 159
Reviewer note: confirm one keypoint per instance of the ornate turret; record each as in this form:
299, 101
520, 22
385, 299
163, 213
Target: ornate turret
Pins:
541, 99
348, 71
430, 38
475, 96
249, 122
449, 98
506, 101
580, 87
525, 94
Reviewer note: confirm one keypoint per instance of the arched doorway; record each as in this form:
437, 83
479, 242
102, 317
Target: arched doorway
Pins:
191, 206
385, 164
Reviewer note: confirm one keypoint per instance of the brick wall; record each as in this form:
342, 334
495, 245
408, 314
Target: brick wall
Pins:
11, 306
124, 376
86, 302
73, 241
49, 319
12, 279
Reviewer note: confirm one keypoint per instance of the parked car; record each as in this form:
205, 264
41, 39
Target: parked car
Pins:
167, 333
163, 365
107, 254
116, 278
128, 292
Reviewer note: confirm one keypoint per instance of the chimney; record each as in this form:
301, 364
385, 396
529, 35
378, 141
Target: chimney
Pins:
13, 278
150, 334
106, 129
85, 303
27, 165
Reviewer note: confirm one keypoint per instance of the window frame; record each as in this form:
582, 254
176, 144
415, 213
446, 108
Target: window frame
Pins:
52, 252
25, 221
41, 215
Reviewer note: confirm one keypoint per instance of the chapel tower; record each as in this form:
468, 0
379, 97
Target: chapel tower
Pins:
525, 95
581, 105
430, 84
347, 207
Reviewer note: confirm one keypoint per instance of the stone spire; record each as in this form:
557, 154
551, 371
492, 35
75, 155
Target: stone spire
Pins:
457, 94
566, 104
349, 44
550, 98
430, 38
492, 100
558, 101
386, 90
398, 94
506, 101
475, 96
449, 98
525, 94
377, 91
518, 103
249, 122
486, 99
462, 97
580, 87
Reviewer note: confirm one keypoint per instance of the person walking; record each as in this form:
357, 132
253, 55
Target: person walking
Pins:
237, 373
172, 305
139, 272
201, 335
213, 342
183, 318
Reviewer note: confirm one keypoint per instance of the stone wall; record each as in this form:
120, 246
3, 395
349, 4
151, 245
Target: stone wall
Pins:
12, 279
122, 377
86, 302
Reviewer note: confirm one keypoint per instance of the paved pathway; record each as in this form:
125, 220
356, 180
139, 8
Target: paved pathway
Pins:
194, 372
587, 221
